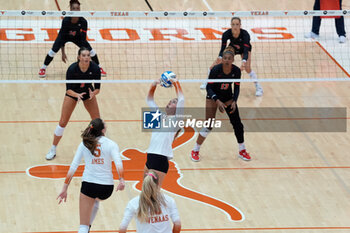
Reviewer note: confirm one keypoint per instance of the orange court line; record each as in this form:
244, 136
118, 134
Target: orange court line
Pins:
226, 229
226, 169
57, 5
333, 59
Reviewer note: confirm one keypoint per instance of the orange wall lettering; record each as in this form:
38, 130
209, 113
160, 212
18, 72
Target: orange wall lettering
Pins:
209, 33
159, 35
106, 34
276, 31
25, 37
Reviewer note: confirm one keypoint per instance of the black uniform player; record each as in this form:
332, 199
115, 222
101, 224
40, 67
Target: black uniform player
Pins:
74, 30
220, 95
84, 69
240, 41
241, 44
74, 73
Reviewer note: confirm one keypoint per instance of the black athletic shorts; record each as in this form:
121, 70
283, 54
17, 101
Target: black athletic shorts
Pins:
100, 191
60, 41
85, 97
157, 162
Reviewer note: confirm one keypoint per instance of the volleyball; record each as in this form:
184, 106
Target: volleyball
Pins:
165, 79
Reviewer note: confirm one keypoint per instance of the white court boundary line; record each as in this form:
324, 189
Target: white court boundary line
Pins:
207, 5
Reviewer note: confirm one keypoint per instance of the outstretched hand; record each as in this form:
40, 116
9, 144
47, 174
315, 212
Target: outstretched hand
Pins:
80, 96
62, 196
120, 186
221, 106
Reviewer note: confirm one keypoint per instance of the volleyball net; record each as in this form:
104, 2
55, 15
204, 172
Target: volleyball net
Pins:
139, 46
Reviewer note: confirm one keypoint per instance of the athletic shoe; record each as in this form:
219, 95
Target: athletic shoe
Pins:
342, 39
258, 90
312, 36
203, 85
103, 73
195, 156
42, 73
51, 155
244, 155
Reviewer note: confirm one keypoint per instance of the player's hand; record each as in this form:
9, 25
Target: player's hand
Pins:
63, 195
233, 107
80, 96
91, 94
121, 185
156, 82
64, 57
243, 65
221, 106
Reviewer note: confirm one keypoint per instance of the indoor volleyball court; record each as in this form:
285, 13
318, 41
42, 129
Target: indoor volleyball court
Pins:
298, 180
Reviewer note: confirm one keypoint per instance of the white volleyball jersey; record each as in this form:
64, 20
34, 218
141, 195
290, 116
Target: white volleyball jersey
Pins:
162, 140
98, 167
157, 224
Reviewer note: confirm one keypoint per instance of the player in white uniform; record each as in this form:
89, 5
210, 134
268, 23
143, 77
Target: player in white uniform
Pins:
97, 181
160, 149
153, 210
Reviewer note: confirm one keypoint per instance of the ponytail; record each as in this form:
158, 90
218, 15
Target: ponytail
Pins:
91, 133
151, 199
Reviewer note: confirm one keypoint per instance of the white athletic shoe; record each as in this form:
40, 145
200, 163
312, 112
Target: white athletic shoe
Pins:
203, 85
312, 36
342, 39
51, 155
258, 90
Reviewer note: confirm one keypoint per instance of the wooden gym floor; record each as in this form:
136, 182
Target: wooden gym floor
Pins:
295, 183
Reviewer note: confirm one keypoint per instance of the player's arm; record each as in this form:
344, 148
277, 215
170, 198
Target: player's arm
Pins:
150, 96
236, 90
128, 215
246, 46
236, 87
224, 40
174, 215
97, 86
180, 98
83, 30
64, 31
210, 90
119, 166
211, 93
73, 167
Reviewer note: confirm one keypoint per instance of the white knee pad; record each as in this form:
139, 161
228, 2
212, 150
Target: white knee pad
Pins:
51, 53
97, 204
83, 229
92, 53
204, 132
59, 130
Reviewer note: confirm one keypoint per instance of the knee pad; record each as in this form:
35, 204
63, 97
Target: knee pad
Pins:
204, 132
59, 130
97, 204
51, 53
92, 53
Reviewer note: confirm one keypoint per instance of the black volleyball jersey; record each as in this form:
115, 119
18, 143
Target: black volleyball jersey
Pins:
241, 44
223, 91
73, 31
74, 73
